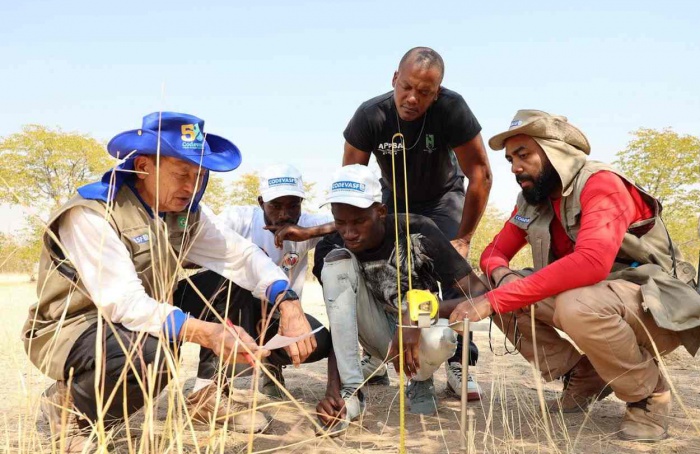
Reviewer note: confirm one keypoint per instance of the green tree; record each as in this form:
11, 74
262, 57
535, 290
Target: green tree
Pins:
667, 164
43, 168
245, 190
215, 196
491, 223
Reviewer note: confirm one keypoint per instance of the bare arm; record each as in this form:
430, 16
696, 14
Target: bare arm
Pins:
474, 163
352, 155
294, 232
471, 286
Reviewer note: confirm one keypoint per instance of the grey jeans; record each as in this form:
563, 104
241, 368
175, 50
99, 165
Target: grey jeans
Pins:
354, 314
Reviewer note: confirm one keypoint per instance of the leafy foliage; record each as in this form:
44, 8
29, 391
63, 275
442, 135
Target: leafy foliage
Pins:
667, 165
43, 168
491, 223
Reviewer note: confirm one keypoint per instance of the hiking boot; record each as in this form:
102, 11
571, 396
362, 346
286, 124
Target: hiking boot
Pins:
582, 387
56, 407
647, 420
354, 408
421, 396
269, 387
454, 382
374, 371
211, 405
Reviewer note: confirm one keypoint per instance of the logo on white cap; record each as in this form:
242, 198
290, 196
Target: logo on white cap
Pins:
354, 185
289, 181
348, 186
279, 181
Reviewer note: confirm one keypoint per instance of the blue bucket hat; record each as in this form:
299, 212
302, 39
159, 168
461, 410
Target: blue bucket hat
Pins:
182, 136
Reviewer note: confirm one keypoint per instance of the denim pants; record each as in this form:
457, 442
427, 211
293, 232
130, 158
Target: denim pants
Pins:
354, 314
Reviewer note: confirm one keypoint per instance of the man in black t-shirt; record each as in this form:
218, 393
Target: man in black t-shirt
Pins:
443, 144
357, 269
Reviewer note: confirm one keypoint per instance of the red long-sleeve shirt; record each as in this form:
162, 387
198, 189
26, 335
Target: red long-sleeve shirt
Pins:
608, 206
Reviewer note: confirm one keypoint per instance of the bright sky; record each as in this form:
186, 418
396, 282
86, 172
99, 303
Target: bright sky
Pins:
281, 79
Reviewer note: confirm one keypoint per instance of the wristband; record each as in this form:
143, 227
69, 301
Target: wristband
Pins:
286, 296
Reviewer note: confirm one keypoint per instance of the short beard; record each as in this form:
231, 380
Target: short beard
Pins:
543, 186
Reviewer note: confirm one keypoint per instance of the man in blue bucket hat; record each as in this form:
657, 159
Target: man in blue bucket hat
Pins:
108, 289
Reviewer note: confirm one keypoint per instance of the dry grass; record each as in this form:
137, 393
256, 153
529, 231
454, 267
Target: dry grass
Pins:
508, 420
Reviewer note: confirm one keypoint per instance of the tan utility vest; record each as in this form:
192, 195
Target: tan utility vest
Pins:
64, 310
672, 301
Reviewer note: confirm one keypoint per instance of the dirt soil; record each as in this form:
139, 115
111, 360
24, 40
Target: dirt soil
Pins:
508, 419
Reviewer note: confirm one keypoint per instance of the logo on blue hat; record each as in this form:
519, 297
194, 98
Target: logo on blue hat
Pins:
192, 136
348, 186
282, 181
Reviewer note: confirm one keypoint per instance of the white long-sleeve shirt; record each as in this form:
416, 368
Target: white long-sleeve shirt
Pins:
292, 258
107, 271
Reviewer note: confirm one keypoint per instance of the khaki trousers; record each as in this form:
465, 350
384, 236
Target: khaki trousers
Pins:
607, 322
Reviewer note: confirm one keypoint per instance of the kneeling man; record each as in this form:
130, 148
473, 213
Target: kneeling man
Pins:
358, 271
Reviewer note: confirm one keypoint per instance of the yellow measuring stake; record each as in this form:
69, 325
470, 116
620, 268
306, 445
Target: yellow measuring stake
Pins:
402, 381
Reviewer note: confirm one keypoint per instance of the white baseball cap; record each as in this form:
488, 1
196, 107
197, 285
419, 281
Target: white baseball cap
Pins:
354, 185
280, 180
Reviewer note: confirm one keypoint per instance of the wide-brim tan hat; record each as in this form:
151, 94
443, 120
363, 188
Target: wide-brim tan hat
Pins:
539, 124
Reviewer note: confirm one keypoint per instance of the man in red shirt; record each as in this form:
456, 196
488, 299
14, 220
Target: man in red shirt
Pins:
605, 272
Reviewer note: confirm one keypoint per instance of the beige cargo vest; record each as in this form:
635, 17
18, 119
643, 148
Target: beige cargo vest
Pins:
64, 310
674, 304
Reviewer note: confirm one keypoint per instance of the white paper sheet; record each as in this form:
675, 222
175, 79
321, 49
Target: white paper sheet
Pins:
279, 341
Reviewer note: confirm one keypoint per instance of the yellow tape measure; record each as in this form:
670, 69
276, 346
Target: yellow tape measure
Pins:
422, 307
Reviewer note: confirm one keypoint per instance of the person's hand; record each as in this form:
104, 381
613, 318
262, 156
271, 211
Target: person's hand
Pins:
227, 342
289, 232
293, 323
411, 342
462, 246
472, 309
331, 409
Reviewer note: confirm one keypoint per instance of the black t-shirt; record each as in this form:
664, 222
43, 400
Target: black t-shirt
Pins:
431, 164
433, 259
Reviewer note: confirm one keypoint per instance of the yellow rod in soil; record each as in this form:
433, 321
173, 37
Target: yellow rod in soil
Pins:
402, 382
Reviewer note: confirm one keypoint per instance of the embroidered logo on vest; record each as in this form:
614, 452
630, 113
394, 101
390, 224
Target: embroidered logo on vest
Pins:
141, 239
522, 219
182, 221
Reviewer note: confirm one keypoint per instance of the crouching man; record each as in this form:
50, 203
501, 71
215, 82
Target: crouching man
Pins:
357, 268
607, 274
109, 269
286, 233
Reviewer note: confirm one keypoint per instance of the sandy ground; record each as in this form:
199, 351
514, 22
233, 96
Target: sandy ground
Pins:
508, 419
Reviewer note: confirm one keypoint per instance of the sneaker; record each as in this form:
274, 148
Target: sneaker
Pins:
374, 371
421, 396
269, 387
211, 405
354, 408
454, 382
56, 407
582, 387
647, 420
